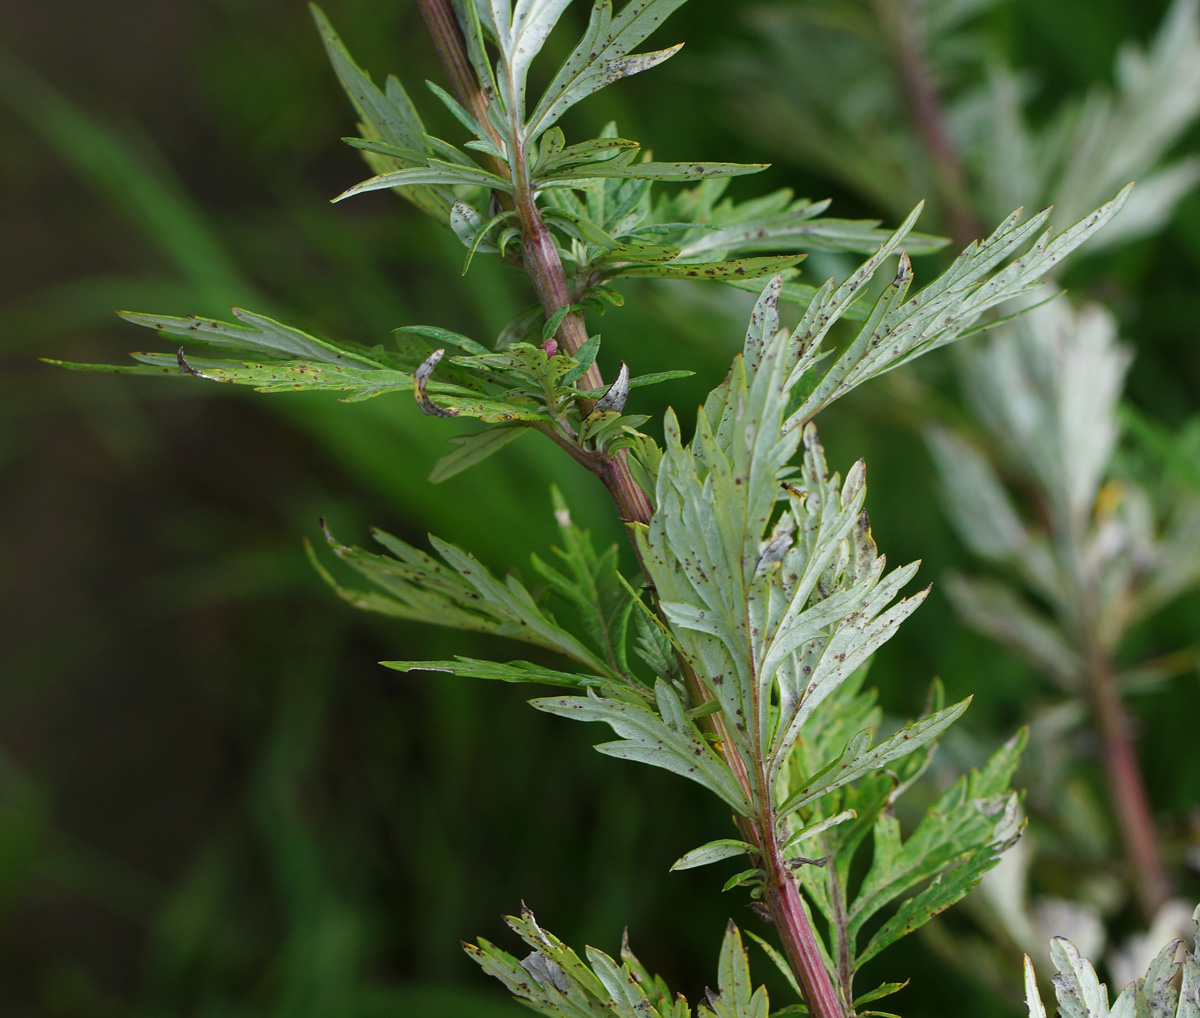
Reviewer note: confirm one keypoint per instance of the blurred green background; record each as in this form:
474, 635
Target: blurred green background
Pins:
212, 800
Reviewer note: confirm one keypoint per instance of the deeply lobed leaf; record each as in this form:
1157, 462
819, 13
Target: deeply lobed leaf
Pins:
1162, 993
458, 591
554, 980
663, 737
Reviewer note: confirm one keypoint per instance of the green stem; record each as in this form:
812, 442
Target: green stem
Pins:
541, 259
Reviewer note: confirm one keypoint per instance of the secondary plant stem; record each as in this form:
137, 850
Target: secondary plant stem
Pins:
451, 50
1126, 787
899, 20
1123, 775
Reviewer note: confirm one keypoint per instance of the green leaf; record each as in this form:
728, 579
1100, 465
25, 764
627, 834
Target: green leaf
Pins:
1154, 994
115, 369
513, 671
706, 230
603, 56
737, 268
435, 173
556, 319
579, 228
475, 21
667, 1004
473, 449
781, 964
957, 841
458, 592
258, 334
881, 991
387, 117
776, 596
855, 639
594, 150
799, 229
799, 294
584, 358
627, 996
946, 889
648, 171
1162, 993
395, 118
458, 111
383, 148
525, 373
671, 741
1033, 998
705, 710
1189, 990
736, 996
419, 589
855, 765
714, 851
752, 878
901, 329
741, 601
522, 39
288, 376
552, 980
339, 368
608, 432
813, 829
524, 619
1080, 993
445, 337
468, 226
490, 411
589, 583
549, 148
638, 249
